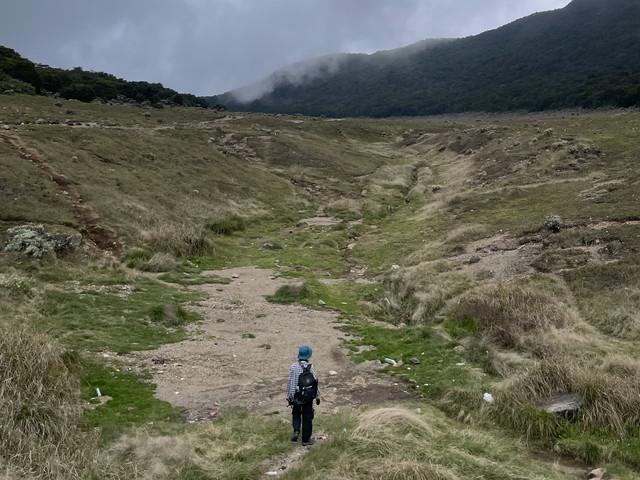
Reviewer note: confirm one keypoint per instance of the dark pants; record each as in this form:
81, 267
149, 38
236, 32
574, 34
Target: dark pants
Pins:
306, 412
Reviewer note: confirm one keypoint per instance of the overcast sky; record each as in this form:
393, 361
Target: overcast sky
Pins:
211, 46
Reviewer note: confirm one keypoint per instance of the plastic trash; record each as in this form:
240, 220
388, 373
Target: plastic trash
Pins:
213, 414
418, 411
98, 393
387, 300
391, 361
271, 473
460, 364
321, 302
333, 373
488, 398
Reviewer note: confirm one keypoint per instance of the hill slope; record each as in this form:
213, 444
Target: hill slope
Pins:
584, 55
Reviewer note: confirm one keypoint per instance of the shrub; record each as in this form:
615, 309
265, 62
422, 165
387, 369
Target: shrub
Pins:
228, 225
507, 313
34, 242
169, 315
180, 240
291, 294
553, 223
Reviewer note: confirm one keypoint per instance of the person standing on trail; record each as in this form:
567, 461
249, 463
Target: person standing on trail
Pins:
302, 390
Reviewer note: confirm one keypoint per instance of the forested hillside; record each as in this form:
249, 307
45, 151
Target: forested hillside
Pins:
584, 55
20, 75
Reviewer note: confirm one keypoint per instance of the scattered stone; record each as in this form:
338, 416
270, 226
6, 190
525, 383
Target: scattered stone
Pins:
170, 312
473, 259
414, 360
598, 473
235, 275
459, 349
563, 405
41, 121
266, 246
333, 373
58, 104
104, 399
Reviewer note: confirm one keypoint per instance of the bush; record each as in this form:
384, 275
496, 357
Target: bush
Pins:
227, 226
169, 315
507, 313
34, 242
291, 294
180, 240
553, 223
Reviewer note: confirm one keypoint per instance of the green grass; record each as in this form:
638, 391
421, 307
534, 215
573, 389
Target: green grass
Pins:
133, 402
91, 320
438, 371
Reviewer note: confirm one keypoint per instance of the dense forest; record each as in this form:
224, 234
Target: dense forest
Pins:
584, 55
20, 75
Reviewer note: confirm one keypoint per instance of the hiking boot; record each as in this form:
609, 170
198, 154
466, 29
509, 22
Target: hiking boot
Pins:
295, 436
308, 443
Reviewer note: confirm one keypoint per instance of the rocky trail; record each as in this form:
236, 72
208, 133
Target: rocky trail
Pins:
239, 356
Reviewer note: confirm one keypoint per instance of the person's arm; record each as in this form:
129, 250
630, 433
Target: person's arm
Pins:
291, 387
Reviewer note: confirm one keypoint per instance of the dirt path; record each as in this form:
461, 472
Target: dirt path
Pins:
89, 223
218, 369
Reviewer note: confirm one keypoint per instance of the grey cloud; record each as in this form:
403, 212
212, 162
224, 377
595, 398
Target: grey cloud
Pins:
211, 46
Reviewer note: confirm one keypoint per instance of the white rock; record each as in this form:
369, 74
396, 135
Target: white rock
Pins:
487, 397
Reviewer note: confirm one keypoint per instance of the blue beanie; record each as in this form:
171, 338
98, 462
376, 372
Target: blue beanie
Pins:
304, 353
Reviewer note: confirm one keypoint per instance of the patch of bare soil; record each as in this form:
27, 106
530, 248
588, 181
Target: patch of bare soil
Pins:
239, 357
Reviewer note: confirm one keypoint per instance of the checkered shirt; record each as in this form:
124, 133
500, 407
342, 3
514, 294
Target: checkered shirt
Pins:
294, 372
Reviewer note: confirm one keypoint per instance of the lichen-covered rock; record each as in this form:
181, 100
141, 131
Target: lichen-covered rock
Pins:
34, 242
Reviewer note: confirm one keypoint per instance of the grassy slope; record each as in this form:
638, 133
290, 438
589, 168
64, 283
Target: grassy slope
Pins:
423, 189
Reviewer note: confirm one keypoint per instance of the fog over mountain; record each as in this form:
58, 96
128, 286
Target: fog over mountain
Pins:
207, 47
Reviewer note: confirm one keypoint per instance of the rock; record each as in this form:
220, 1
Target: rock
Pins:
321, 302
548, 132
74, 159
459, 349
563, 405
235, 275
266, 246
473, 259
170, 312
598, 473
129, 409
58, 104
41, 121
333, 373
104, 399
414, 360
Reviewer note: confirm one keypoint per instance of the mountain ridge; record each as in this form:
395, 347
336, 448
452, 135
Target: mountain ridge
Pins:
547, 60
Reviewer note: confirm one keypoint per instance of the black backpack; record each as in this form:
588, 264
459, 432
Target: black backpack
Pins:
307, 387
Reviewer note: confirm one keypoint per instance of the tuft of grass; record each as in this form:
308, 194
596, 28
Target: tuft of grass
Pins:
291, 294
403, 443
40, 410
248, 335
506, 314
180, 240
228, 225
